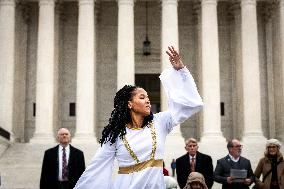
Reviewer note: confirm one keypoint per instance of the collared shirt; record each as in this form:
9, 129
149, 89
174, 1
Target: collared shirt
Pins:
60, 154
234, 159
190, 157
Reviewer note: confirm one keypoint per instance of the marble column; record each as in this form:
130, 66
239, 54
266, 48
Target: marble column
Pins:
45, 78
250, 70
197, 46
85, 120
125, 44
210, 72
7, 63
268, 18
20, 83
169, 37
281, 28
236, 70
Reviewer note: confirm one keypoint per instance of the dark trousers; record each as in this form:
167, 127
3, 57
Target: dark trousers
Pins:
63, 185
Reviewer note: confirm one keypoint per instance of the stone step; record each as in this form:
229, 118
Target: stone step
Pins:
20, 165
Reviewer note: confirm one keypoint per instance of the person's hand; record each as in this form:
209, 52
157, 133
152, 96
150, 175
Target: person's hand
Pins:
230, 180
247, 181
174, 58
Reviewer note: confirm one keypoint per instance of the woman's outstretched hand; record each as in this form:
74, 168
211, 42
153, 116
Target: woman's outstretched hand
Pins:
174, 58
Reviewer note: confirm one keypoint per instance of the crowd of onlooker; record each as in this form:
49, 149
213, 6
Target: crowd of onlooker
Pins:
194, 170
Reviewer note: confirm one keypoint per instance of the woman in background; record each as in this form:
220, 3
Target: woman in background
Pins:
271, 167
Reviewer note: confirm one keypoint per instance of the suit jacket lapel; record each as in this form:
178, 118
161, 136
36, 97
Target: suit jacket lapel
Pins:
186, 162
242, 163
228, 161
56, 155
198, 159
71, 155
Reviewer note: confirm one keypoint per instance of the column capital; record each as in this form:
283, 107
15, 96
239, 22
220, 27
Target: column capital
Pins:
125, 2
7, 2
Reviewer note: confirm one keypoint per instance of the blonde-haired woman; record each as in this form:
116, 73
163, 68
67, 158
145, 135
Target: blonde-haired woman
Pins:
271, 167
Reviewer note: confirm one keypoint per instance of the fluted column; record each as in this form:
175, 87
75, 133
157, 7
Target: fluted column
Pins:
210, 70
250, 69
236, 55
7, 63
268, 18
281, 24
85, 121
45, 73
169, 37
125, 44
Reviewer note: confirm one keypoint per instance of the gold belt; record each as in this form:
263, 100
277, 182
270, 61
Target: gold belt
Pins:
140, 166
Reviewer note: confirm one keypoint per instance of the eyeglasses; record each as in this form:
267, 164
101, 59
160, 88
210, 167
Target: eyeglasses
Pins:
272, 147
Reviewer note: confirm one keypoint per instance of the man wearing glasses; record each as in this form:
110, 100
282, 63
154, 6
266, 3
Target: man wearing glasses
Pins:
234, 171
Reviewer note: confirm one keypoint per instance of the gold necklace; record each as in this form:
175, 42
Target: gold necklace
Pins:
154, 144
133, 128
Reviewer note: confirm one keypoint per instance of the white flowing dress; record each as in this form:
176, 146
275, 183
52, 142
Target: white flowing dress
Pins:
183, 101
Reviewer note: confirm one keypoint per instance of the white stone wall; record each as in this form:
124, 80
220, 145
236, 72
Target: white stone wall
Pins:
107, 12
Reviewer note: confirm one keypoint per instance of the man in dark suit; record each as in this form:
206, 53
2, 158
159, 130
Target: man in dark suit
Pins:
234, 160
194, 161
62, 165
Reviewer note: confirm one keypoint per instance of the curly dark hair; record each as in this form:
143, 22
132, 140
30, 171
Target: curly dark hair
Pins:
120, 116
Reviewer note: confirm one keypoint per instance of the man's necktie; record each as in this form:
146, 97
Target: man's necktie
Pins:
64, 165
192, 165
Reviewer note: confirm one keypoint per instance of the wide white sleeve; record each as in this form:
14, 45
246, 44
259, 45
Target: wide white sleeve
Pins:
183, 97
98, 174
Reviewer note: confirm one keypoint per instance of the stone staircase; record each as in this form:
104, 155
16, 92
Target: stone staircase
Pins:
20, 164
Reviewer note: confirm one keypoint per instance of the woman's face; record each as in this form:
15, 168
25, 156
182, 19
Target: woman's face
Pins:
272, 149
140, 103
196, 185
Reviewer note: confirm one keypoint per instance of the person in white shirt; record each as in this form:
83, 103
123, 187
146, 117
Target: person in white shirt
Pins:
62, 165
194, 161
136, 137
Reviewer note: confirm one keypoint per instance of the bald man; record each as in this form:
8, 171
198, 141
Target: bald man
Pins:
62, 165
